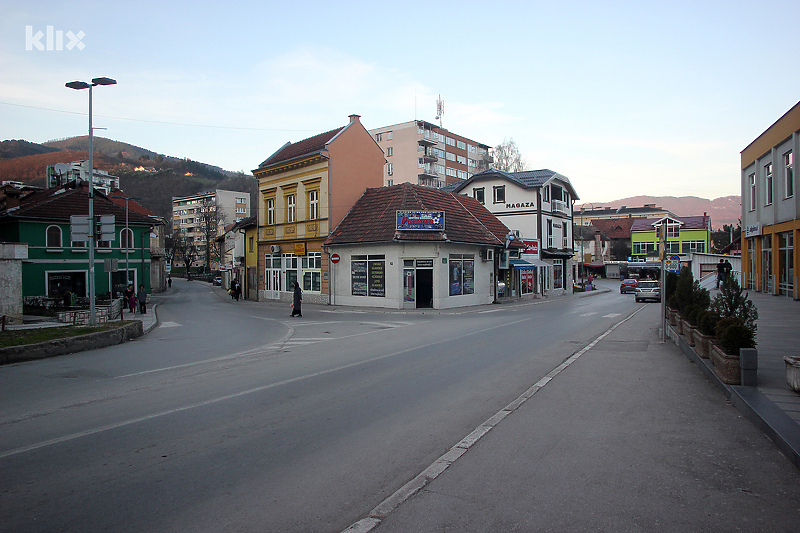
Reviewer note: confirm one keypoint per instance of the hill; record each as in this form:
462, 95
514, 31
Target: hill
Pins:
19, 148
723, 210
158, 180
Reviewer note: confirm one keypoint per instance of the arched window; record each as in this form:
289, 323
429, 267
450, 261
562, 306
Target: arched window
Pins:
126, 238
53, 237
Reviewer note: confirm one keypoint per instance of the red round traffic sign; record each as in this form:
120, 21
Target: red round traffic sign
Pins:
335, 258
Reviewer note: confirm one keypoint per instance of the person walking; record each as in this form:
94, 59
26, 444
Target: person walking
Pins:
297, 301
237, 289
142, 297
130, 298
169, 282
727, 268
720, 272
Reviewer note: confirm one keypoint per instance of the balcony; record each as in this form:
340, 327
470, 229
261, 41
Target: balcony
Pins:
558, 206
429, 156
430, 181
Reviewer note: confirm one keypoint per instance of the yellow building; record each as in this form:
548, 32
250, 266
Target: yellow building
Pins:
771, 208
305, 189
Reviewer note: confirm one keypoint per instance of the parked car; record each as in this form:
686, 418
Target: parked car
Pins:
648, 290
627, 285
218, 280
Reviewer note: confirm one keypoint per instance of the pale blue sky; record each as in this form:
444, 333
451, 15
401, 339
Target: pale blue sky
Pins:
623, 98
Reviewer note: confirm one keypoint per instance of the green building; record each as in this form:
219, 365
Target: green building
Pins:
685, 235
57, 265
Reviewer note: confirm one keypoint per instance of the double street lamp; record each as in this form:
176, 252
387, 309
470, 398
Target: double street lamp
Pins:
78, 85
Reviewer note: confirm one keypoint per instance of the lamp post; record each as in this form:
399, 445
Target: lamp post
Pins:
128, 238
78, 85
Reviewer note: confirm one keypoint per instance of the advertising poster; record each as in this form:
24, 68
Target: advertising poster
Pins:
358, 275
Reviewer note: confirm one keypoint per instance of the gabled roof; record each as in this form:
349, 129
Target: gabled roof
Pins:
59, 203
133, 205
649, 224
527, 179
373, 218
302, 148
615, 228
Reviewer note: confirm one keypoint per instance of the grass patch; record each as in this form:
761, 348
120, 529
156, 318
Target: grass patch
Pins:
19, 337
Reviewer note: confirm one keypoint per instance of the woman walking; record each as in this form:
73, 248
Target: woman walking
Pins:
297, 301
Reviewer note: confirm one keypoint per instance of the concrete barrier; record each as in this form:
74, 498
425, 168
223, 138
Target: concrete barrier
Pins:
90, 341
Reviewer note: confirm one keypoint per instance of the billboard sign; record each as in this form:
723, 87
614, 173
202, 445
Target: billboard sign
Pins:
420, 220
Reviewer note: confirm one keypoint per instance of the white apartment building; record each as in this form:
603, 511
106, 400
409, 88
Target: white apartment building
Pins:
62, 173
423, 153
187, 216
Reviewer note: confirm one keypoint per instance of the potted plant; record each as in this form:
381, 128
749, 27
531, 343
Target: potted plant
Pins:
704, 336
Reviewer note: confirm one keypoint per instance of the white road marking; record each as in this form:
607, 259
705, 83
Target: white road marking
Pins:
589, 314
169, 325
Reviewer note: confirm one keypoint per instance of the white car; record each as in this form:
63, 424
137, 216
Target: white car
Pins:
648, 290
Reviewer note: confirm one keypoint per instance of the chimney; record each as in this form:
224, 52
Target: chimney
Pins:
354, 118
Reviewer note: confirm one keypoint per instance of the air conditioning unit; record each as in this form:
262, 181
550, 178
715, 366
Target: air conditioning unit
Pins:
487, 254
275, 248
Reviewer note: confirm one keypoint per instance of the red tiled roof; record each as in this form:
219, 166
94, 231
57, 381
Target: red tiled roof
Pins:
697, 222
614, 228
133, 205
59, 203
305, 147
373, 217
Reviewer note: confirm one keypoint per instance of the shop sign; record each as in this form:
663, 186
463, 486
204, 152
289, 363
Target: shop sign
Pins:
752, 230
531, 248
420, 220
299, 248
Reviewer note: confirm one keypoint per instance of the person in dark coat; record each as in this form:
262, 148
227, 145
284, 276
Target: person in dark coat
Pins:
130, 298
297, 300
142, 297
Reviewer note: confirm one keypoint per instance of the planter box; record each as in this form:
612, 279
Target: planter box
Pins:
690, 332
793, 372
679, 325
702, 344
726, 366
672, 315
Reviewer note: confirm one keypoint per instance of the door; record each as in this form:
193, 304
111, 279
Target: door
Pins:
424, 288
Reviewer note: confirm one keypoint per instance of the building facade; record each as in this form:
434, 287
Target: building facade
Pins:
537, 206
684, 236
771, 208
305, 189
202, 217
423, 153
586, 216
412, 247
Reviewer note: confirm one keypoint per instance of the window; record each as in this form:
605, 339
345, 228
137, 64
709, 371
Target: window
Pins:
271, 211
390, 151
549, 233
752, 179
311, 265
478, 194
462, 274
461, 159
499, 192
250, 244
390, 182
461, 144
462, 174
451, 142
53, 237
313, 205
367, 275
788, 173
290, 214
126, 238
451, 172
673, 229
564, 235
694, 246
546, 194
768, 184
389, 135
379, 137
451, 156
390, 168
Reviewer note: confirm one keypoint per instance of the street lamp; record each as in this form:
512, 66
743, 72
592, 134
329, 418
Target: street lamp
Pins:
78, 85
128, 237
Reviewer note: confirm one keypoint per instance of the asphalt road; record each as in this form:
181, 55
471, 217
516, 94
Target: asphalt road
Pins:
234, 416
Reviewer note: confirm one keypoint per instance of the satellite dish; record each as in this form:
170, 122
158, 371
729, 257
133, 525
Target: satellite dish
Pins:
61, 168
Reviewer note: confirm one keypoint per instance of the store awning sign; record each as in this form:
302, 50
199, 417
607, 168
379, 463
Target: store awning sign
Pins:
420, 220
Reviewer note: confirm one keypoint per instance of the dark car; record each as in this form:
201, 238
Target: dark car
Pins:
627, 285
217, 281
648, 290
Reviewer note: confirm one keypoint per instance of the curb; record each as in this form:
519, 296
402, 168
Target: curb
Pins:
752, 404
90, 341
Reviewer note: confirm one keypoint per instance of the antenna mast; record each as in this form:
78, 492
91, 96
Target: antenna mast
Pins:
439, 110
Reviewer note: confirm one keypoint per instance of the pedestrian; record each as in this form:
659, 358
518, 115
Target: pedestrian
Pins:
142, 297
720, 272
169, 281
237, 289
130, 298
297, 301
728, 269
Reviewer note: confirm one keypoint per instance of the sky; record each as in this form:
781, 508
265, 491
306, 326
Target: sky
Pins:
623, 98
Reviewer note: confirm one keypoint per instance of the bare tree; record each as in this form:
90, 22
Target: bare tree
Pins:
507, 157
181, 249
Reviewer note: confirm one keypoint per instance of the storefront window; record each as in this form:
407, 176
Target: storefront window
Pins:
462, 274
558, 273
311, 265
368, 275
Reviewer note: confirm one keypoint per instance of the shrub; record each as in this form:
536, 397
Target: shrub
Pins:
736, 336
682, 297
707, 322
669, 287
732, 302
725, 323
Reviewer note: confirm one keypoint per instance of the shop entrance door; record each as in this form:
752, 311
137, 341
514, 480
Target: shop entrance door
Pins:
424, 288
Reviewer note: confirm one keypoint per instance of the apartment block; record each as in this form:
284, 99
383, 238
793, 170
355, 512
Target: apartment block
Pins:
423, 153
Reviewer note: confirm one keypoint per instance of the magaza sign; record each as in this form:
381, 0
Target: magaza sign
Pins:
420, 220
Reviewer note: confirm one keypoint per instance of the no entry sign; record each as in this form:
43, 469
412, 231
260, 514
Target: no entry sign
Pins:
335, 258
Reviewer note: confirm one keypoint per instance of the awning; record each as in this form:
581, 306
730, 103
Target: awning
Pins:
596, 264
557, 254
532, 263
